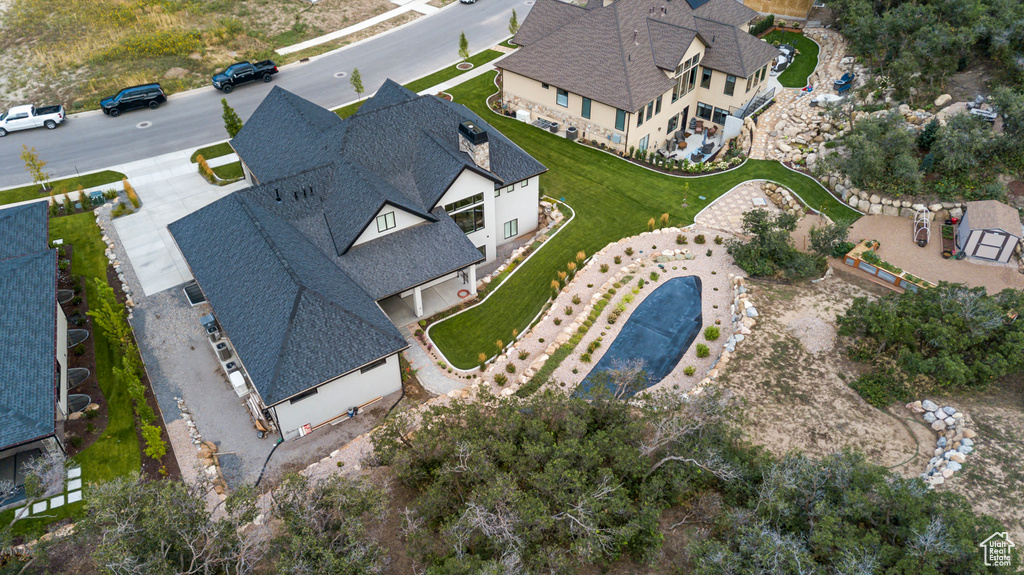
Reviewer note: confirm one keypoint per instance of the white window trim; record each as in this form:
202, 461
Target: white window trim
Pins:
385, 220
507, 228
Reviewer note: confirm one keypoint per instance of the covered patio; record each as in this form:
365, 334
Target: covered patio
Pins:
695, 148
452, 290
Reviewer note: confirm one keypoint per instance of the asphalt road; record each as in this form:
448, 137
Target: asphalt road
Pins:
92, 141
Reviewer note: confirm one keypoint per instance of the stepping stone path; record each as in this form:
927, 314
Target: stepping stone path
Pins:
71, 494
954, 441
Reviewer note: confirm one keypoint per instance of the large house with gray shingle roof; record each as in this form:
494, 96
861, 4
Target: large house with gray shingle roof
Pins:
409, 192
33, 337
630, 73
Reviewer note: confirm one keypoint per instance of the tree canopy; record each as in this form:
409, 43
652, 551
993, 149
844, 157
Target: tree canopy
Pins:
769, 252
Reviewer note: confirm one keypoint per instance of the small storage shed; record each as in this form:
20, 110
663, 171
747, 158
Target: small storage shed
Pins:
990, 230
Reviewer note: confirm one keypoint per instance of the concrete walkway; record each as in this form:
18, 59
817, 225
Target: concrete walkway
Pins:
170, 187
419, 6
428, 372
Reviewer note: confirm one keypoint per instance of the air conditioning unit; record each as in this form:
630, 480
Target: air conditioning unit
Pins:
238, 383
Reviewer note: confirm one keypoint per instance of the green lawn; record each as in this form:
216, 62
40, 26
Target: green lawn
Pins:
612, 199
31, 192
116, 452
210, 152
795, 76
434, 79
231, 171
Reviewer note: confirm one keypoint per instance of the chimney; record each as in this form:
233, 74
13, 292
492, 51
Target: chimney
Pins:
473, 140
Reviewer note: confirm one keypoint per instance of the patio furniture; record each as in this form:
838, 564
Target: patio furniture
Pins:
706, 148
679, 136
697, 157
699, 127
693, 122
845, 83
712, 131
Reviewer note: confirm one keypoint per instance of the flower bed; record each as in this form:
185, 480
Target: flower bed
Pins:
864, 258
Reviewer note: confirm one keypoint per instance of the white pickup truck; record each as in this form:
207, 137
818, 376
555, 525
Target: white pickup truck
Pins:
27, 117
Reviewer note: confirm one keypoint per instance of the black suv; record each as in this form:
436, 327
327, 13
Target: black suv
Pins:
148, 95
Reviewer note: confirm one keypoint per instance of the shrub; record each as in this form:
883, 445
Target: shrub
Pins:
681, 240
841, 249
690, 370
593, 346
640, 283
629, 251
703, 350
79, 349
604, 268
76, 300
523, 354
711, 333
576, 299
156, 447
119, 210
500, 379
612, 291
654, 276
75, 441
585, 358
568, 310
132, 196
419, 332
708, 253
510, 367
422, 323
558, 321
618, 259
718, 240
699, 239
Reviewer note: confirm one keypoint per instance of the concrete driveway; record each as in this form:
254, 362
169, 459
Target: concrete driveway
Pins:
170, 187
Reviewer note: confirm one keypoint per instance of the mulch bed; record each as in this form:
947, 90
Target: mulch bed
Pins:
166, 466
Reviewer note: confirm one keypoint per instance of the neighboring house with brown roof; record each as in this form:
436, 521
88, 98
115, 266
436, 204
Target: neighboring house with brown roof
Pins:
632, 72
990, 230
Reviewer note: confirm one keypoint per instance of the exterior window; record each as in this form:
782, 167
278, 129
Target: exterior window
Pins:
512, 228
497, 192
764, 72
470, 220
672, 123
730, 85
704, 111
657, 106
373, 365
705, 80
482, 250
385, 221
456, 206
720, 116
650, 110
640, 118
562, 98
620, 119
303, 395
643, 143
544, 85
586, 108
750, 81
686, 78
525, 183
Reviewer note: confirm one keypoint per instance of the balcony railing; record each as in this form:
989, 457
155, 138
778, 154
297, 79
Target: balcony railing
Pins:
755, 104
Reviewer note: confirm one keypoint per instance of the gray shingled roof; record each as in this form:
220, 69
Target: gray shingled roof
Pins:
409, 257
615, 54
277, 261
295, 319
23, 230
28, 327
992, 214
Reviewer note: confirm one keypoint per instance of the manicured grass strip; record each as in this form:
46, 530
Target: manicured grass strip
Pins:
430, 80
451, 71
32, 192
210, 152
795, 76
612, 199
230, 171
116, 452
508, 44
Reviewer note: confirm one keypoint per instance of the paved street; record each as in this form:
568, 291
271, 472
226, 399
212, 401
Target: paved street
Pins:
92, 141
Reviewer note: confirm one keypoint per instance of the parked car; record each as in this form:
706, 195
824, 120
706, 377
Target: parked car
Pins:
244, 72
144, 96
28, 117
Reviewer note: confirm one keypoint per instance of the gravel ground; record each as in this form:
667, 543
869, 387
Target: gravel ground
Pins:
814, 334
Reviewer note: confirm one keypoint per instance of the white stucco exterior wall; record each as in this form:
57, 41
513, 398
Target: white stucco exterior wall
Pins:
62, 361
470, 183
403, 219
520, 204
336, 396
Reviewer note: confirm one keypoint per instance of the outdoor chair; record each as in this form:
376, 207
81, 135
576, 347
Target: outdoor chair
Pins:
699, 127
712, 131
706, 149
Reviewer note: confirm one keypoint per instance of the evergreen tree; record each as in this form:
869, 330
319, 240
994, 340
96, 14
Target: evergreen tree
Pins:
232, 123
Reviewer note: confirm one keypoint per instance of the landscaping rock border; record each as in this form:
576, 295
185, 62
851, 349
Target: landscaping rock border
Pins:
955, 441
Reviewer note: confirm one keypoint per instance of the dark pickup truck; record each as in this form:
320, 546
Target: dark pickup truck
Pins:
243, 72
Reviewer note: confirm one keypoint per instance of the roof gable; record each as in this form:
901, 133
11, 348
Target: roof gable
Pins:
992, 214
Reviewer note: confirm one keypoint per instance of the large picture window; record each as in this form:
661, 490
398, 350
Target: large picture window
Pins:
385, 221
586, 108
719, 116
562, 98
686, 78
456, 206
468, 213
512, 228
672, 123
730, 85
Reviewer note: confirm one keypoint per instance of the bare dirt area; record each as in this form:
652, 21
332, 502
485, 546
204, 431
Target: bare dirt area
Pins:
791, 375
75, 52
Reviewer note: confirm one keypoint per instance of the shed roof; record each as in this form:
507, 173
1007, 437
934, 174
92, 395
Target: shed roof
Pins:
990, 214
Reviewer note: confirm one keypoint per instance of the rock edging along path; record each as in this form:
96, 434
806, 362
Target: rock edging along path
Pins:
955, 440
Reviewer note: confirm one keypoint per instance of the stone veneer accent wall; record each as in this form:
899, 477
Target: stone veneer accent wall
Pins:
587, 129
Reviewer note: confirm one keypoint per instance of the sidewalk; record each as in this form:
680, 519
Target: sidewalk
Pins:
414, 5
428, 372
